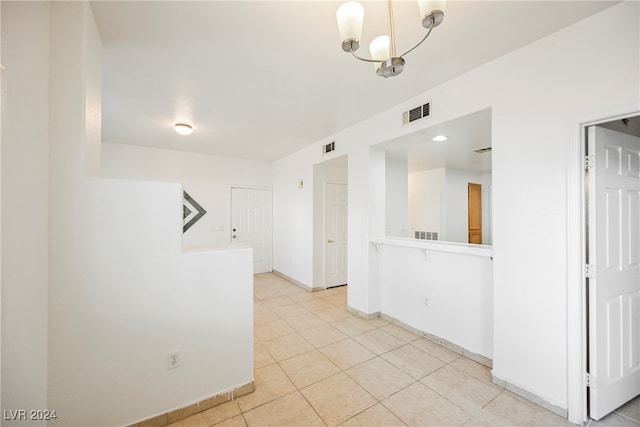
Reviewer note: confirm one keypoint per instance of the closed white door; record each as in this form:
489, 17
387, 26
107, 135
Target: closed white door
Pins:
335, 233
251, 224
614, 287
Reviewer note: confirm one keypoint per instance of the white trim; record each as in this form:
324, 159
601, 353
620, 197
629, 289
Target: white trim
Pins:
576, 294
436, 245
532, 397
362, 314
297, 283
249, 187
576, 280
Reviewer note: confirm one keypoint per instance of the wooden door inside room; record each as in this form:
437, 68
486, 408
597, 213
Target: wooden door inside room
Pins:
475, 213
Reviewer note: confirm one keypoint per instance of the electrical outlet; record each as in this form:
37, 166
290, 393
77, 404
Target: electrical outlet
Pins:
174, 360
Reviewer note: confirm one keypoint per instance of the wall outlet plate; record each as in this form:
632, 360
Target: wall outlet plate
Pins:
174, 360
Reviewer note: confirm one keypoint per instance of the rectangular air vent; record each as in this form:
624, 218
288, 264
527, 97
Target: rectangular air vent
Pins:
482, 150
426, 235
329, 147
416, 113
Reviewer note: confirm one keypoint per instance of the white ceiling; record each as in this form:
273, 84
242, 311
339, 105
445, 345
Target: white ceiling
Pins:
465, 134
261, 79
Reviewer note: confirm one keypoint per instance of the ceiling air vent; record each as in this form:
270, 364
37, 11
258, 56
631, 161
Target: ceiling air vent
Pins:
329, 147
482, 150
416, 113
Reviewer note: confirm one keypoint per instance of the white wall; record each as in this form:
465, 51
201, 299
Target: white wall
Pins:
438, 201
122, 294
538, 95
1, 104
334, 170
426, 202
293, 219
487, 218
457, 289
208, 179
131, 297
397, 197
25, 173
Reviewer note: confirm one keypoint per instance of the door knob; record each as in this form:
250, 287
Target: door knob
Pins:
330, 241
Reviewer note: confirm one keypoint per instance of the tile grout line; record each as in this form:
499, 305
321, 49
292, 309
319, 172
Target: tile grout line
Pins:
470, 376
337, 373
277, 362
439, 394
626, 416
341, 370
376, 355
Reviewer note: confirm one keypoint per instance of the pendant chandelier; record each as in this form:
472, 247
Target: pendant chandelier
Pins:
383, 48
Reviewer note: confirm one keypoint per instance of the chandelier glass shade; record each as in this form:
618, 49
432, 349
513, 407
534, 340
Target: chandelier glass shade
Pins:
383, 48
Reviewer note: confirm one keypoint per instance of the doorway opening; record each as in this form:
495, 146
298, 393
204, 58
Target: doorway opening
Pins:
612, 256
330, 223
427, 182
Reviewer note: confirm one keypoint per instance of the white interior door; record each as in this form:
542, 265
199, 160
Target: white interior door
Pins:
335, 233
251, 224
614, 287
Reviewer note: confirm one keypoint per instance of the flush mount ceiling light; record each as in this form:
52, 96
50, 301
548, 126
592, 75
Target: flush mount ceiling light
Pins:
439, 138
183, 128
383, 49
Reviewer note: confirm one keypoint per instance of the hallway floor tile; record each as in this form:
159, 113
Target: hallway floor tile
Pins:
316, 364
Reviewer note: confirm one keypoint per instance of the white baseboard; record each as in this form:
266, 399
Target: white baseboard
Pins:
532, 397
295, 282
483, 360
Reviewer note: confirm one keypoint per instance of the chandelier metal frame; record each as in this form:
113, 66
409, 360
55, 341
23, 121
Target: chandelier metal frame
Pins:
394, 64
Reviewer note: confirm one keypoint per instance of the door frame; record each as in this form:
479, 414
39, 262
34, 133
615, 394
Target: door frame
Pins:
324, 225
577, 308
230, 220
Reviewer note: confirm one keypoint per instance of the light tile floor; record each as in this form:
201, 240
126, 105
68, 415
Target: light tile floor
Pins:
316, 364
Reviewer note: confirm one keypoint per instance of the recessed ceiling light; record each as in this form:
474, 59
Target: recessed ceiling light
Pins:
183, 128
440, 138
